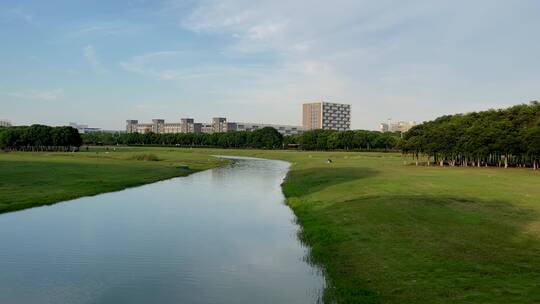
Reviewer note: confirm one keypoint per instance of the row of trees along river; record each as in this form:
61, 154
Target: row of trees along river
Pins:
507, 137
39, 138
266, 138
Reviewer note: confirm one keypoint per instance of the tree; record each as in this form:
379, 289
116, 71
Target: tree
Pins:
266, 138
489, 138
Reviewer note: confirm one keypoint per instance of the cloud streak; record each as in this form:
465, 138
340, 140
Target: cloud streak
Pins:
375, 54
51, 95
89, 53
18, 14
151, 65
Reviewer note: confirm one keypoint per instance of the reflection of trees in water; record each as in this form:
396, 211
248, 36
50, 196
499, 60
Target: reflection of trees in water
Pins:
257, 174
220, 173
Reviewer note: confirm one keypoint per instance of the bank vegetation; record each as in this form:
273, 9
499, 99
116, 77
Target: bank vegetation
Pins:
503, 138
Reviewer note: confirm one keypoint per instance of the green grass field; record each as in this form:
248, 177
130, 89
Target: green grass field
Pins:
383, 232
35, 179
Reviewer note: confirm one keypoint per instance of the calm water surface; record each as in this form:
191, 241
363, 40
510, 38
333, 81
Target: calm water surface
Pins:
219, 236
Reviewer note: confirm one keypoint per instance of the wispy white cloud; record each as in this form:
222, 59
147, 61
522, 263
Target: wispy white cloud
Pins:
109, 28
51, 95
150, 65
89, 53
17, 14
371, 53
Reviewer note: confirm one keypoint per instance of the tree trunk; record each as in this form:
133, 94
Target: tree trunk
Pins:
506, 161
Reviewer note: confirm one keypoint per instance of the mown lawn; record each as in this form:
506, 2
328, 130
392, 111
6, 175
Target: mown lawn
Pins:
35, 179
384, 232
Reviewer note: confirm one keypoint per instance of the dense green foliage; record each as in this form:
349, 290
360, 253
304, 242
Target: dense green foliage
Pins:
491, 138
39, 138
265, 138
344, 140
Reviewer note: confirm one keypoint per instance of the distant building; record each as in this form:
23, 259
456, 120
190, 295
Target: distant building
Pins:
83, 129
172, 127
187, 125
283, 129
5, 123
218, 125
131, 126
158, 126
207, 128
326, 115
400, 126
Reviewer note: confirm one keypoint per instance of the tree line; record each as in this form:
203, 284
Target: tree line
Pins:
505, 137
345, 140
39, 138
266, 138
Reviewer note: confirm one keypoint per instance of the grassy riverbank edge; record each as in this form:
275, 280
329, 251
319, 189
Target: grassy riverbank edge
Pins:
43, 179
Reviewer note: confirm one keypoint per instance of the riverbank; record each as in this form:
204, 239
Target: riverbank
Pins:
36, 179
389, 233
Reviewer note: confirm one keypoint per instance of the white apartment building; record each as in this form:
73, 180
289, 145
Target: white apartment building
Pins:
326, 115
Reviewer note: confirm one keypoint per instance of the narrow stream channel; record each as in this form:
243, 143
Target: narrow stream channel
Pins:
218, 236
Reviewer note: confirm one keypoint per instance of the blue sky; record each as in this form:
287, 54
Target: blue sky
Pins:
102, 62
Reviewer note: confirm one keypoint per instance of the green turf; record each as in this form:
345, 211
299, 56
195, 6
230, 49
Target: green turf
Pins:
35, 179
383, 232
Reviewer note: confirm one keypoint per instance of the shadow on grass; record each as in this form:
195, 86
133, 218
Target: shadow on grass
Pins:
424, 249
303, 182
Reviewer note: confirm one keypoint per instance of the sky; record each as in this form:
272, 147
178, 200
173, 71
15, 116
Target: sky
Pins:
103, 62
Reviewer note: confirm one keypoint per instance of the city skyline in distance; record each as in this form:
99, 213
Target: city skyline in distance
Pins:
102, 62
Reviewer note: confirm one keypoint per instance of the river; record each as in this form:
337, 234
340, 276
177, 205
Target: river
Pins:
219, 236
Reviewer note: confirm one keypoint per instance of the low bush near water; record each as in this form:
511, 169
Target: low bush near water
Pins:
145, 157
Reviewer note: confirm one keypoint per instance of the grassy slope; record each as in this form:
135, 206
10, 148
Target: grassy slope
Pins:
384, 232
395, 234
34, 179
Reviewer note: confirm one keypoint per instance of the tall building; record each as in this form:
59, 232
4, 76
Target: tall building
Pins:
326, 115
5, 123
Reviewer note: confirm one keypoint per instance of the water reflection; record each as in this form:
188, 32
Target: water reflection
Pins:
220, 236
